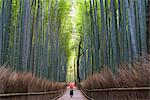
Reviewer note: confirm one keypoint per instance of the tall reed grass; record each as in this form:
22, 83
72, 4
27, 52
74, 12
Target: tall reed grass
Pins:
126, 76
22, 82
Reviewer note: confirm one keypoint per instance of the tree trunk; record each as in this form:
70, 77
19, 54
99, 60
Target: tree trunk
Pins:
78, 63
142, 23
131, 17
148, 27
114, 35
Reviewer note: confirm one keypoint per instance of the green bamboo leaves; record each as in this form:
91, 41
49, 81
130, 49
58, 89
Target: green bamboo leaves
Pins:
34, 35
116, 33
31, 36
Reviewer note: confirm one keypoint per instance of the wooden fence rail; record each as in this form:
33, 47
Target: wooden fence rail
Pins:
51, 95
136, 93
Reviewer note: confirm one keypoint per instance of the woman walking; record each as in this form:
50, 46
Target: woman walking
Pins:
71, 85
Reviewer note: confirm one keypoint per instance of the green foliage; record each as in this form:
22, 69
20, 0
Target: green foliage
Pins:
43, 36
108, 36
29, 46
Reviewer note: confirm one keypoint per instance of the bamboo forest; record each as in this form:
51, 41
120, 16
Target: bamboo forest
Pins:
74, 49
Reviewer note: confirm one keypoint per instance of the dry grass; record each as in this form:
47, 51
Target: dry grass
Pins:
12, 82
126, 77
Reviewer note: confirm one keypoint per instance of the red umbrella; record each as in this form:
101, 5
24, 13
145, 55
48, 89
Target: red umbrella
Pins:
72, 84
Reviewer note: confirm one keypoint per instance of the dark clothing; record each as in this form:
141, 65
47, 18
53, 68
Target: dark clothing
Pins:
71, 92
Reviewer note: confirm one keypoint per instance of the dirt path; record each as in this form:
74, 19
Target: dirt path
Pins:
77, 95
